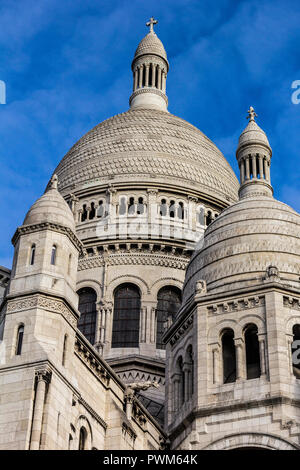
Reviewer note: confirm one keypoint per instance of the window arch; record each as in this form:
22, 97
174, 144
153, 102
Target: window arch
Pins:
82, 438
295, 348
126, 319
32, 255
228, 354
53, 254
252, 352
64, 350
19, 341
168, 304
88, 313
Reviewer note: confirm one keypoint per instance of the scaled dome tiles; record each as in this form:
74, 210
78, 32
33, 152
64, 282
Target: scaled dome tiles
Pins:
243, 242
145, 145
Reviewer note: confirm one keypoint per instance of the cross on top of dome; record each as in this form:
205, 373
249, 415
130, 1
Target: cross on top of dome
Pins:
251, 114
151, 23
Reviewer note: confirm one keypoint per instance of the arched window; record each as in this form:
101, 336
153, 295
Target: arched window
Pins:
201, 216
228, 353
84, 213
88, 313
100, 212
252, 352
208, 219
168, 304
295, 351
172, 209
19, 342
32, 254
64, 350
92, 211
82, 438
180, 211
163, 208
122, 206
53, 254
140, 206
190, 371
126, 320
131, 206
181, 381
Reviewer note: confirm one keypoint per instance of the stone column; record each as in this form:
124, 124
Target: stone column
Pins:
242, 169
254, 170
42, 378
158, 77
163, 81
240, 358
247, 168
135, 82
186, 372
261, 168
153, 75
289, 346
262, 354
216, 364
140, 76
268, 172
143, 327
147, 75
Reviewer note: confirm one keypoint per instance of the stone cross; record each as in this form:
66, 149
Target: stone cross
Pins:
150, 23
54, 182
251, 114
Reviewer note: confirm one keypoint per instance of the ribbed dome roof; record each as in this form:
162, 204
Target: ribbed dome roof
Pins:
253, 134
243, 242
51, 207
148, 145
150, 44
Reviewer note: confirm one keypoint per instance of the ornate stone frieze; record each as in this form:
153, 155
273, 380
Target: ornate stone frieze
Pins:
44, 302
134, 258
236, 305
47, 225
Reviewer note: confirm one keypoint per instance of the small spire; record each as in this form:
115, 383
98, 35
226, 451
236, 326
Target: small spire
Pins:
251, 114
54, 182
150, 23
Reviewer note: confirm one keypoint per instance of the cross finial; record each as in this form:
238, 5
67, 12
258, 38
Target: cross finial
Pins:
251, 114
150, 23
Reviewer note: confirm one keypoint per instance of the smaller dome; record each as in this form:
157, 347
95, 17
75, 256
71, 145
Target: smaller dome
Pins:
150, 44
253, 134
51, 207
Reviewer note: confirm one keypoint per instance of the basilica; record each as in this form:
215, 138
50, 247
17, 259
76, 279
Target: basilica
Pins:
154, 299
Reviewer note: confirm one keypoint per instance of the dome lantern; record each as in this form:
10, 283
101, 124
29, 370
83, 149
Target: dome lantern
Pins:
254, 156
150, 67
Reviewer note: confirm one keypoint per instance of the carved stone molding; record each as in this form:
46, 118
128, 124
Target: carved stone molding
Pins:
92, 362
44, 226
92, 412
44, 302
291, 302
43, 373
236, 305
182, 330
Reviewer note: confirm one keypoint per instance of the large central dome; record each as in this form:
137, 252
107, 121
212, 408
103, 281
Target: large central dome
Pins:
147, 144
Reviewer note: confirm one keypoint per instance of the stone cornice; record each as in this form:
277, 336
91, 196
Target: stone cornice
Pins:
229, 408
92, 412
25, 229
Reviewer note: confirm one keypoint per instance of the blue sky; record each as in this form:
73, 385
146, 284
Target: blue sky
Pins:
66, 65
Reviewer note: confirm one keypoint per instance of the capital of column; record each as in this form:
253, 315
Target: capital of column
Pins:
43, 374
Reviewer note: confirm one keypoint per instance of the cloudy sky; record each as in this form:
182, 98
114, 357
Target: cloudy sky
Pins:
66, 65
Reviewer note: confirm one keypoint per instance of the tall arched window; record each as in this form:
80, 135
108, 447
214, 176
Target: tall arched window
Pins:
252, 352
53, 254
88, 313
32, 254
168, 304
126, 320
228, 353
19, 341
64, 350
82, 438
295, 351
